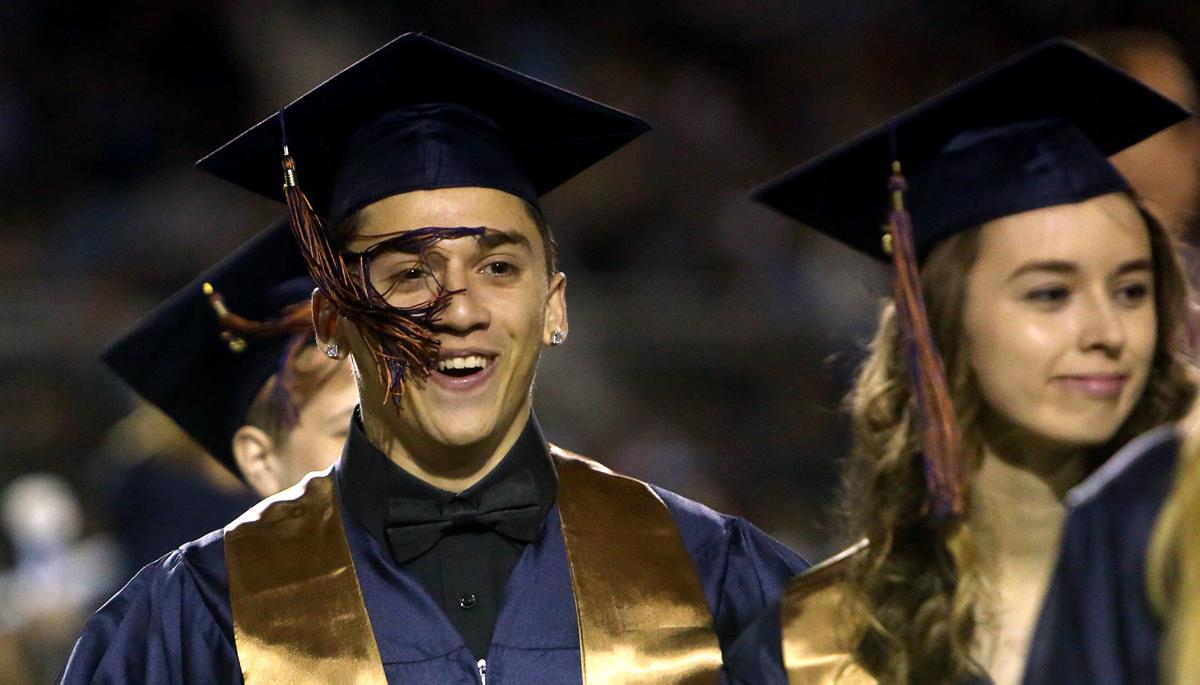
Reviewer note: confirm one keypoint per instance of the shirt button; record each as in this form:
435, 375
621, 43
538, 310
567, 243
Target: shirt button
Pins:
467, 601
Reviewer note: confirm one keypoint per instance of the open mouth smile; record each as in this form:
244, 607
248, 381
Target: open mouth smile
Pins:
463, 371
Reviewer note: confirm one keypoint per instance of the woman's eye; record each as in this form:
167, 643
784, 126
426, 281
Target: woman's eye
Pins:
1051, 295
413, 273
1133, 293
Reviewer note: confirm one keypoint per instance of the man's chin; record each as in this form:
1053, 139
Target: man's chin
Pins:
455, 430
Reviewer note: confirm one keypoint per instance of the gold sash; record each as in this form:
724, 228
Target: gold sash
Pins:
299, 615
643, 617
814, 632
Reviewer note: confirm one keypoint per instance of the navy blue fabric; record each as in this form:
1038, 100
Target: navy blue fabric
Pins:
424, 147
988, 173
1097, 625
172, 623
756, 656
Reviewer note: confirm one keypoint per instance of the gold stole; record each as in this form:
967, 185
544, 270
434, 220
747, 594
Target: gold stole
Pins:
299, 615
814, 632
643, 617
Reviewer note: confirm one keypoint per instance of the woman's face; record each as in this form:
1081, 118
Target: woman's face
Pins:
1059, 318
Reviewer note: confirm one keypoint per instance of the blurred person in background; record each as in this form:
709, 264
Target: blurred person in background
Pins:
1043, 329
1124, 605
1164, 169
58, 576
230, 359
450, 542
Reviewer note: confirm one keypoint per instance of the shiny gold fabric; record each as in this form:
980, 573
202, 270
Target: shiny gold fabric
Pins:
814, 632
298, 612
643, 617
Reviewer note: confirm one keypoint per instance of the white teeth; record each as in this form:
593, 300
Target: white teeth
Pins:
469, 362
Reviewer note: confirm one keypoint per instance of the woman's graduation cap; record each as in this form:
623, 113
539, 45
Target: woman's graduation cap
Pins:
203, 355
1030, 133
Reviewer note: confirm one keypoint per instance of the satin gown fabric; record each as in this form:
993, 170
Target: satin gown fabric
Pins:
1097, 625
172, 624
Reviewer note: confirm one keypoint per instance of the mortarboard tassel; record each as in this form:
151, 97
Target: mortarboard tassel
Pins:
400, 338
942, 445
293, 320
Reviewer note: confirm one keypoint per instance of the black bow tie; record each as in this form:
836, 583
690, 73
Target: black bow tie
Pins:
509, 508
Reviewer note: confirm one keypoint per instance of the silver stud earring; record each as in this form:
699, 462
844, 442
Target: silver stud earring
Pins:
557, 337
331, 350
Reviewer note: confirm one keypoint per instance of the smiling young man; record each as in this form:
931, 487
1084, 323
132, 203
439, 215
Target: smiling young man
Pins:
450, 543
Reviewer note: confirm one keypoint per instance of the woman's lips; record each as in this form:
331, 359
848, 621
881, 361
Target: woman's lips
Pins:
1101, 386
464, 383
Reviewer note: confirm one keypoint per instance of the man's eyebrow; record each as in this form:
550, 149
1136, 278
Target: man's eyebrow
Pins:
495, 237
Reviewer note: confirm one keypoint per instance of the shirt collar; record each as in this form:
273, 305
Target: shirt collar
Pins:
367, 478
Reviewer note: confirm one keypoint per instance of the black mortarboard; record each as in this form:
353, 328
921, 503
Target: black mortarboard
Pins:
182, 359
419, 114
1032, 132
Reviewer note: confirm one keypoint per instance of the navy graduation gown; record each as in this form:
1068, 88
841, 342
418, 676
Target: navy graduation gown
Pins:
1097, 625
172, 622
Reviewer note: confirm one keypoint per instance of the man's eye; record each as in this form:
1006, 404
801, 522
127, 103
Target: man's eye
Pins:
500, 269
413, 273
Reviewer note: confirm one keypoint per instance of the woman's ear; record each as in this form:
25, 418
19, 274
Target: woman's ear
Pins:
254, 452
325, 324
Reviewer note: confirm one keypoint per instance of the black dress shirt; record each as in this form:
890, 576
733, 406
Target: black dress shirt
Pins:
465, 569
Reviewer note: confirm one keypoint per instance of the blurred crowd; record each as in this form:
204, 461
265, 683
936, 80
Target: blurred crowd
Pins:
711, 340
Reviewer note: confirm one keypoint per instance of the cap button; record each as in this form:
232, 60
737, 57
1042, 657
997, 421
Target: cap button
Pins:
467, 600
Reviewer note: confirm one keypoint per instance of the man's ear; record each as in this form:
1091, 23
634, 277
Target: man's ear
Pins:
556, 310
254, 452
325, 324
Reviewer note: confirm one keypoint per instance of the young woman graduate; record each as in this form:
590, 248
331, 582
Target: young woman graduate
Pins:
1124, 604
451, 543
1036, 326
232, 359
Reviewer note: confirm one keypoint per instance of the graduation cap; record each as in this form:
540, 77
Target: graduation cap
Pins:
1030, 133
203, 355
418, 114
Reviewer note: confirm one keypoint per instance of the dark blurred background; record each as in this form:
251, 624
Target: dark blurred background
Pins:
711, 340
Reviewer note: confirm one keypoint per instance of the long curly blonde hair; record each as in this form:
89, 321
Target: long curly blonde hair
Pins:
918, 586
1172, 568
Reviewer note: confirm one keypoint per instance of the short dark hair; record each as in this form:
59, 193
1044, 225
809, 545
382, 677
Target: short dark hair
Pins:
343, 232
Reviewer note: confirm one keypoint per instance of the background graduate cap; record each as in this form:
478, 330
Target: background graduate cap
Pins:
203, 369
1032, 132
420, 114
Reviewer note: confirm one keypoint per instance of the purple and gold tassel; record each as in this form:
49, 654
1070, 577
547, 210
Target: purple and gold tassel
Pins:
942, 453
